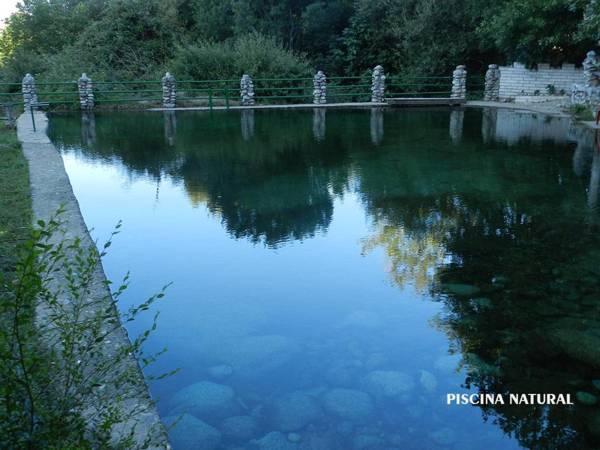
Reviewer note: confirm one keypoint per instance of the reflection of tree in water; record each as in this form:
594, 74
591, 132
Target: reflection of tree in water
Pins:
275, 188
520, 281
413, 257
520, 275
521, 310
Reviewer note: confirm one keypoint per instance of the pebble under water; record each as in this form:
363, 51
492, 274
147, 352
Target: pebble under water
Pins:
337, 273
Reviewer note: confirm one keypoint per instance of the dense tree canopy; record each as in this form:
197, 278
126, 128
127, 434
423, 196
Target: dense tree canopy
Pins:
141, 38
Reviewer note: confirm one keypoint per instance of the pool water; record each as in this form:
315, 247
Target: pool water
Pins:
335, 274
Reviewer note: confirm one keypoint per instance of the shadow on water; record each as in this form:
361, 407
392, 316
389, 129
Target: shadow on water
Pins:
492, 213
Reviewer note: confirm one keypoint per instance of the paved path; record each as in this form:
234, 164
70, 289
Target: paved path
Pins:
51, 188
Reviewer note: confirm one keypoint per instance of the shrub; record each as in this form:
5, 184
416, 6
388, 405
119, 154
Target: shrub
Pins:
253, 53
63, 383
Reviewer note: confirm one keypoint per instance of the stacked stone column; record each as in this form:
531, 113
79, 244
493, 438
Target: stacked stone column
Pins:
247, 90
29, 91
378, 85
459, 82
86, 92
320, 88
492, 84
169, 89
588, 94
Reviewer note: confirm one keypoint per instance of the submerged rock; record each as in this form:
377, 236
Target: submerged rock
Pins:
275, 440
580, 344
220, 372
205, 400
444, 436
388, 383
460, 290
366, 441
294, 411
319, 441
428, 381
294, 437
240, 428
586, 398
593, 423
348, 404
191, 433
252, 356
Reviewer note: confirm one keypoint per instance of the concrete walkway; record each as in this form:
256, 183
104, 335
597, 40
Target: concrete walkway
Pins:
51, 188
281, 106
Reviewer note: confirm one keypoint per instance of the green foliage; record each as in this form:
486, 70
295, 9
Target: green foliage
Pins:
15, 204
532, 31
581, 112
253, 53
126, 39
66, 373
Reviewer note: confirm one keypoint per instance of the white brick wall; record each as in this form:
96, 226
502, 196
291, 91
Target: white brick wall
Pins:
516, 80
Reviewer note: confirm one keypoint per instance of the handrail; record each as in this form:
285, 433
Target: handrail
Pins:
225, 91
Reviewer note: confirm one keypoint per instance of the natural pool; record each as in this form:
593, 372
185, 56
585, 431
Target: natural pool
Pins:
336, 274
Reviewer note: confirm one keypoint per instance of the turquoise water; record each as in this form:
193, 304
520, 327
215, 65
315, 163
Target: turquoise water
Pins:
336, 274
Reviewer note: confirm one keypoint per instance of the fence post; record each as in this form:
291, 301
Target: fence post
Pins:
169, 89
588, 94
591, 69
491, 91
459, 82
247, 90
320, 88
86, 92
378, 85
29, 91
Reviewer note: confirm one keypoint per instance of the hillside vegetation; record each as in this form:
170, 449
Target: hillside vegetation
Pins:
203, 39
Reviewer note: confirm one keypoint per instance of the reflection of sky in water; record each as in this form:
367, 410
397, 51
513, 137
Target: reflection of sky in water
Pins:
322, 309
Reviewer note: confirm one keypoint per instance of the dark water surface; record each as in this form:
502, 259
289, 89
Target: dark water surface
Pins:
336, 274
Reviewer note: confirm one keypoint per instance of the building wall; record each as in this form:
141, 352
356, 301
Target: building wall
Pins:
516, 80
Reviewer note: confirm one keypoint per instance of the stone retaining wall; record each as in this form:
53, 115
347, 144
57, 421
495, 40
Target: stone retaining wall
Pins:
51, 189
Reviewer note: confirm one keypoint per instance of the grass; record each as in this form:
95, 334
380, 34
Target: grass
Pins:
581, 112
15, 200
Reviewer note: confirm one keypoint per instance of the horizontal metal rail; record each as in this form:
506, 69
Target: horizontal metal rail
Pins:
226, 91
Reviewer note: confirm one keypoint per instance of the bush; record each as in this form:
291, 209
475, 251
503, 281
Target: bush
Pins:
63, 383
255, 54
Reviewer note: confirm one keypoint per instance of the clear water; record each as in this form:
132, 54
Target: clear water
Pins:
397, 255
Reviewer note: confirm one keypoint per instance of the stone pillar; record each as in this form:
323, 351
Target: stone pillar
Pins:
459, 82
29, 91
378, 85
492, 84
247, 90
86, 92
457, 119
319, 124
376, 125
588, 94
320, 88
247, 123
591, 69
169, 89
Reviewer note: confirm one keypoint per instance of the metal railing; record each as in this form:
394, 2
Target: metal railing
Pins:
226, 92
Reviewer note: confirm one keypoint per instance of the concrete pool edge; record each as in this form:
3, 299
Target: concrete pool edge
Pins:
50, 188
